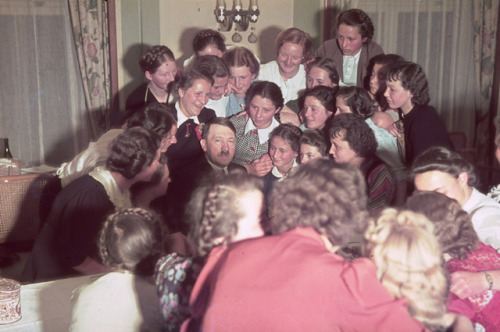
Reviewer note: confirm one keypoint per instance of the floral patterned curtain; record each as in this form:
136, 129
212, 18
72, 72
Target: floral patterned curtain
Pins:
485, 33
90, 31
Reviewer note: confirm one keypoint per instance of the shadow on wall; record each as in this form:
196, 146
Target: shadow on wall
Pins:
186, 45
130, 63
267, 39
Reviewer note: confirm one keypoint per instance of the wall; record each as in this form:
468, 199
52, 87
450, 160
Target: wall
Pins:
143, 23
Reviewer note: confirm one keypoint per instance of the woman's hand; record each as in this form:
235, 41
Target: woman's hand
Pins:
465, 284
289, 116
260, 167
393, 129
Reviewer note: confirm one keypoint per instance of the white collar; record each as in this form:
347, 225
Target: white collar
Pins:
218, 168
280, 176
116, 196
181, 118
263, 133
355, 56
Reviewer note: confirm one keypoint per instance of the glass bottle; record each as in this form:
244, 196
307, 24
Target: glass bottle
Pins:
6, 149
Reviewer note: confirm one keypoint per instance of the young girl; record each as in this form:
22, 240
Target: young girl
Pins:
224, 211
320, 71
130, 243
312, 146
262, 102
462, 252
353, 144
409, 264
193, 90
207, 42
284, 148
377, 86
293, 48
318, 106
243, 69
356, 100
353, 48
408, 90
160, 70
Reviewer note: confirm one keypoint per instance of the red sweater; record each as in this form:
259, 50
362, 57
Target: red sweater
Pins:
291, 282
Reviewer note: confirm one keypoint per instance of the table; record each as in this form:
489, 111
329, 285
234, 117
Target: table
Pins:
47, 306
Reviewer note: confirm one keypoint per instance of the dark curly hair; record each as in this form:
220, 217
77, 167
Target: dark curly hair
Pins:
265, 89
242, 57
325, 95
288, 132
383, 60
132, 239
214, 209
452, 225
358, 100
298, 37
314, 137
208, 37
155, 57
361, 20
352, 129
155, 117
412, 78
132, 151
438, 158
327, 197
327, 65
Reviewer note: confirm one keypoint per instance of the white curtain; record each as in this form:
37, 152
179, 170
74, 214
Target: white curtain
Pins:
438, 35
42, 105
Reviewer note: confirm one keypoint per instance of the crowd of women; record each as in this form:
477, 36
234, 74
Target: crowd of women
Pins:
322, 231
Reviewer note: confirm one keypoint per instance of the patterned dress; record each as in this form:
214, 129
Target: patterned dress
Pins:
481, 308
175, 276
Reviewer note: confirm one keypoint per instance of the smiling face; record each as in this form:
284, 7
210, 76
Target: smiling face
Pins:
163, 76
282, 154
290, 57
308, 153
444, 183
193, 99
315, 113
219, 145
241, 78
317, 76
261, 112
342, 152
219, 87
398, 97
349, 39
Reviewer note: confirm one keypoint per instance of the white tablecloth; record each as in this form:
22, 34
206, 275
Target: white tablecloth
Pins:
46, 306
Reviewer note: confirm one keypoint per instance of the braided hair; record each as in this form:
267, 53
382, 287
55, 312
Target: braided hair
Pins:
208, 37
155, 57
216, 208
132, 239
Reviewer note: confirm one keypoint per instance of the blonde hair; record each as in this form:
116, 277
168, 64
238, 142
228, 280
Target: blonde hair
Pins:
409, 264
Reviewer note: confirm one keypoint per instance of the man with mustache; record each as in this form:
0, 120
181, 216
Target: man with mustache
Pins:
219, 144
